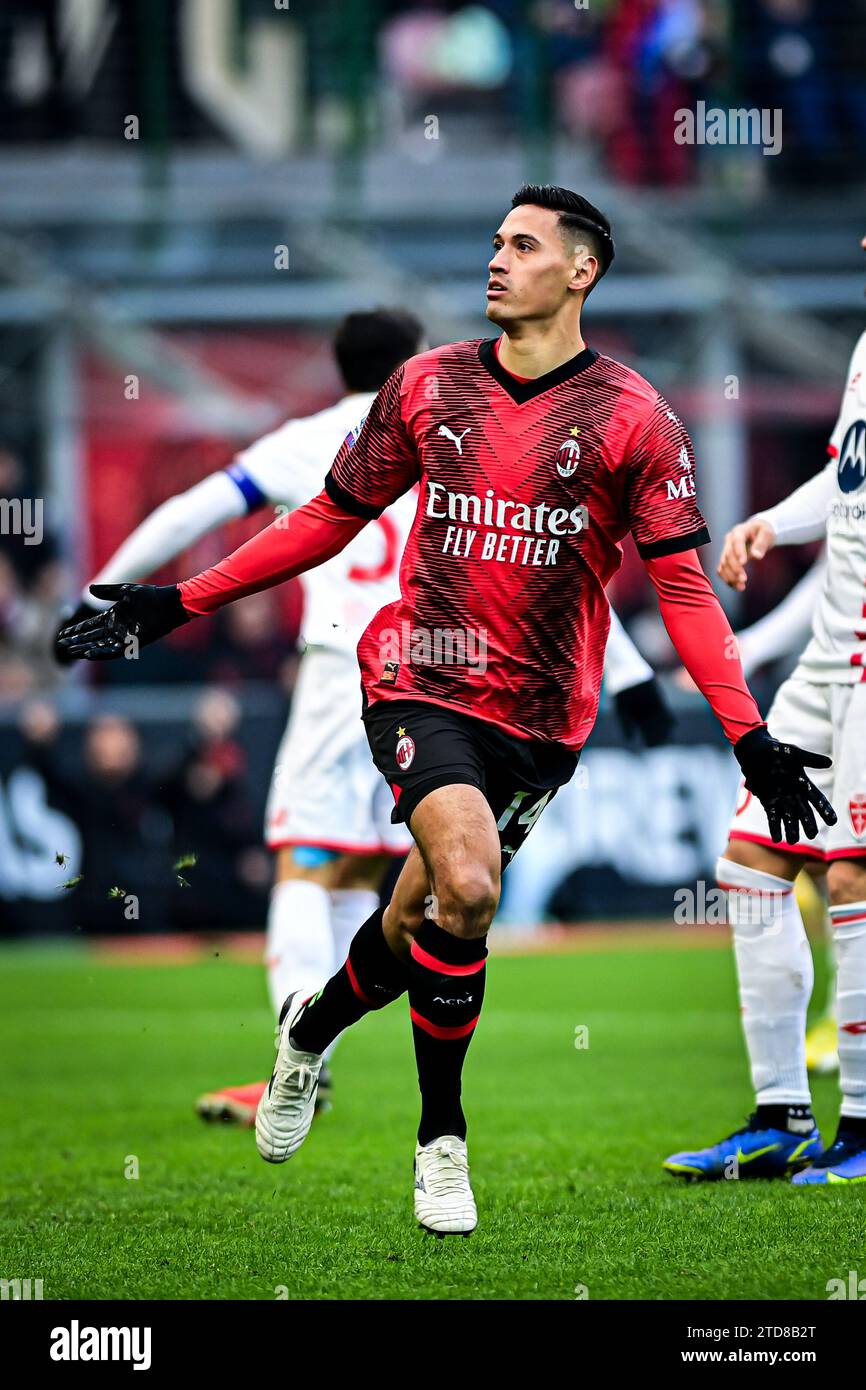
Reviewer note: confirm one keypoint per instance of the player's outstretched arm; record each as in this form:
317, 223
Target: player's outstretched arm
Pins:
773, 771
800, 518
292, 544
176, 524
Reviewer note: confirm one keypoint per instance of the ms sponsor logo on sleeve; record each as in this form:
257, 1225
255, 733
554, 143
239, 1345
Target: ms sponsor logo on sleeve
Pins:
684, 485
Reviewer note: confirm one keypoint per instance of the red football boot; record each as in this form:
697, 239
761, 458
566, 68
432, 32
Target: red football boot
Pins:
236, 1105
233, 1104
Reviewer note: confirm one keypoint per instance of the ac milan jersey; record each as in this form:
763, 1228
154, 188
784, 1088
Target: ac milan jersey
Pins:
525, 491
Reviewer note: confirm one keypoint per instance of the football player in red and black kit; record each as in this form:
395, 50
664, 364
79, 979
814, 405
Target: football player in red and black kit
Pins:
534, 456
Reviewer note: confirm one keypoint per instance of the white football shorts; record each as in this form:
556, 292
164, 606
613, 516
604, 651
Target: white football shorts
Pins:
325, 790
828, 719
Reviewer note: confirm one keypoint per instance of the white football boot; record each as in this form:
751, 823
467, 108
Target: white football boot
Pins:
444, 1203
286, 1109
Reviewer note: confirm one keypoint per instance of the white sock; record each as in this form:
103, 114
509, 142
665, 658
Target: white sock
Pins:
776, 974
299, 952
830, 957
849, 930
350, 908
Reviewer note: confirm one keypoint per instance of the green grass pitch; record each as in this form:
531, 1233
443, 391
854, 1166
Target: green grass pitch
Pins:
103, 1063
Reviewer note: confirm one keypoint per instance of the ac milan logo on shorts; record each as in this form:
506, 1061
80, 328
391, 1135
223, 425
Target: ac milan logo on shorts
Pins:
405, 752
857, 812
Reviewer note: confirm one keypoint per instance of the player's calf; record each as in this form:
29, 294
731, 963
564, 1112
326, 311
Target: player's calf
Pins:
774, 968
446, 991
371, 977
847, 886
775, 975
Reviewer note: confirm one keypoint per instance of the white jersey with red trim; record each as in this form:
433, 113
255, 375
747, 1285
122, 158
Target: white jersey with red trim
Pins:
286, 468
834, 503
837, 651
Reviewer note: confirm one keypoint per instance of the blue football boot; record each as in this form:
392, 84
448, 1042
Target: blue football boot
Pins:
844, 1161
751, 1152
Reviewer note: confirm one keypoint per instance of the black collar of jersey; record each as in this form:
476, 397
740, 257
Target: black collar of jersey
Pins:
523, 391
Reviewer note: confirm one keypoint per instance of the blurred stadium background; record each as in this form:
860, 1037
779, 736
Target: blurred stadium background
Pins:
194, 192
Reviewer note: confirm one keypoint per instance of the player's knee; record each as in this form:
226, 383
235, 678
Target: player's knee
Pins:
467, 900
846, 881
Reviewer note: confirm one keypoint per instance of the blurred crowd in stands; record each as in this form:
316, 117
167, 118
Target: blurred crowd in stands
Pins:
618, 70
609, 72
140, 796
170, 832
32, 585
254, 640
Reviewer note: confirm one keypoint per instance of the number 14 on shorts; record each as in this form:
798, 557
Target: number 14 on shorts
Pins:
525, 818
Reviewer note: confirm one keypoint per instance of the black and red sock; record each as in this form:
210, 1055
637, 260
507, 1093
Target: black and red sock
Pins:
371, 977
446, 991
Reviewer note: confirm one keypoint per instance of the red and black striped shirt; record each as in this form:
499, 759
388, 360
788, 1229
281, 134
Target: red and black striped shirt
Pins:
526, 489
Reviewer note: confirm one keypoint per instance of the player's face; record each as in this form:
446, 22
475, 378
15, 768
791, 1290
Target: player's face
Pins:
533, 271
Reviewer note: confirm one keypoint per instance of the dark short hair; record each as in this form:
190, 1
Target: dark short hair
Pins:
370, 344
576, 215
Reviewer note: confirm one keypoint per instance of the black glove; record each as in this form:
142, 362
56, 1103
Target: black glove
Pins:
70, 619
774, 773
644, 714
143, 611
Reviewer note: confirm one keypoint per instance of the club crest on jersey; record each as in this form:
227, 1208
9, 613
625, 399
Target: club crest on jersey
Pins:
857, 812
567, 458
405, 750
851, 468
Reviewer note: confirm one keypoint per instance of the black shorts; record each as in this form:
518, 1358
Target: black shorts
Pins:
419, 746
